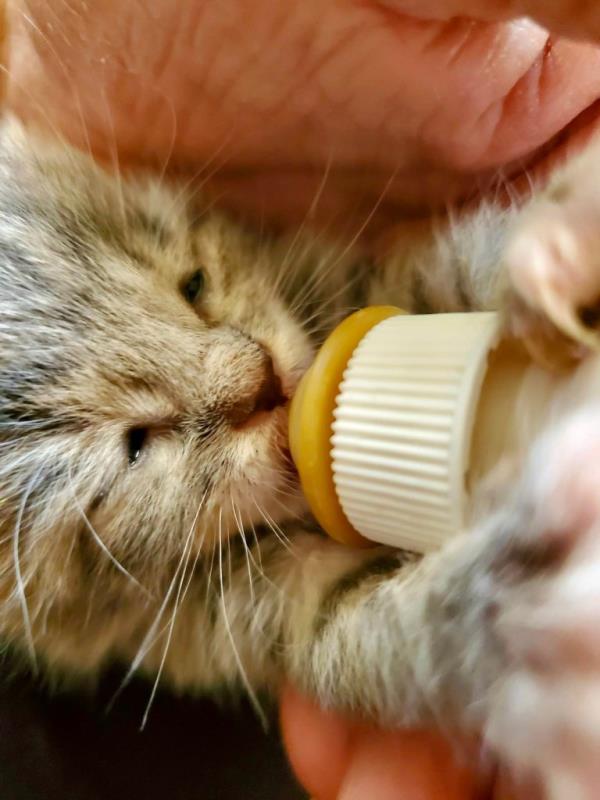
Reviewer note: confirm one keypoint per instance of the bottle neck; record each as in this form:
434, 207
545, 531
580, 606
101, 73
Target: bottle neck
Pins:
514, 405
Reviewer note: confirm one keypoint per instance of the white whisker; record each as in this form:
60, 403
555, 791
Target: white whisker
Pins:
20, 584
39, 107
95, 535
240, 528
284, 278
313, 286
114, 156
278, 533
251, 694
187, 550
151, 636
211, 164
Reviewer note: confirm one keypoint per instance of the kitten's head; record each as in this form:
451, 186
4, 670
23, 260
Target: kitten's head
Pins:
146, 359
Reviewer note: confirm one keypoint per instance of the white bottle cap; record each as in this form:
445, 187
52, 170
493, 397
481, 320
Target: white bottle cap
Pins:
403, 423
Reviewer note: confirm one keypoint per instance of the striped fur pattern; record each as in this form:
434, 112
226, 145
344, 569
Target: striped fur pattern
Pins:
149, 513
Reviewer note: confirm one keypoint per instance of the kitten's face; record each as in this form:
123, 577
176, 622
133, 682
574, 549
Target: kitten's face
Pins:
146, 360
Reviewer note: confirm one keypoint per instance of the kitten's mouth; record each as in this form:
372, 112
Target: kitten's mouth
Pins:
269, 398
259, 418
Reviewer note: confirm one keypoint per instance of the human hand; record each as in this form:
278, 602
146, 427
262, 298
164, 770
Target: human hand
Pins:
362, 97
339, 760
336, 759
283, 97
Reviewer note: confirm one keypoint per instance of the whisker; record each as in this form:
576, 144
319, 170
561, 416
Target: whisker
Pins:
187, 550
257, 543
20, 584
240, 528
269, 524
259, 567
114, 156
171, 148
213, 165
312, 287
337, 311
314, 244
62, 66
282, 277
117, 564
280, 530
251, 694
209, 574
150, 637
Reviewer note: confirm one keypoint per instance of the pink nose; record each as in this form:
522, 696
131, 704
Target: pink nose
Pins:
266, 396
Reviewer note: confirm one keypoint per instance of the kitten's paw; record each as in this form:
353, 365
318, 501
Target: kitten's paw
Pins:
545, 714
553, 264
547, 343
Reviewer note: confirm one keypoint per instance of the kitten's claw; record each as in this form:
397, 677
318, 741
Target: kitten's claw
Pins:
546, 343
553, 262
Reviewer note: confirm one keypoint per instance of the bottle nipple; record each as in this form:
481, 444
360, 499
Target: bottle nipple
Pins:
400, 416
312, 417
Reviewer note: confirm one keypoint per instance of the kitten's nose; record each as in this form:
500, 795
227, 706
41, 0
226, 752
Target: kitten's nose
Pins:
267, 395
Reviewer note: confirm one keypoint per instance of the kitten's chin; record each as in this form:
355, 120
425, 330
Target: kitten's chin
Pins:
280, 493
268, 486
269, 505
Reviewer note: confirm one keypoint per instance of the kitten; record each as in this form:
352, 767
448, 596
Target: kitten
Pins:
149, 512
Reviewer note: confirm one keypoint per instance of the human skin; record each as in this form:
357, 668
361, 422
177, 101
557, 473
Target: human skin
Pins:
375, 104
337, 759
379, 108
341, 759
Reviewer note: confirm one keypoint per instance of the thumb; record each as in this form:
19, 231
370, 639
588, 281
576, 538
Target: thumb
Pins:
566, 17
339, 760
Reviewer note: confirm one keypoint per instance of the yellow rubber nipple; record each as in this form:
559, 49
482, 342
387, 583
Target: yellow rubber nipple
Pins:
311, 419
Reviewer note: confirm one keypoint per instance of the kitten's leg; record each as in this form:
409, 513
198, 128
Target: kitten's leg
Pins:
496, 632
545, 712
443, 264
553, 253
459, 263
539, 263
536, 261
373, 632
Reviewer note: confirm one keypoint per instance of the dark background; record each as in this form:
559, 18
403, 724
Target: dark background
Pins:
66, 746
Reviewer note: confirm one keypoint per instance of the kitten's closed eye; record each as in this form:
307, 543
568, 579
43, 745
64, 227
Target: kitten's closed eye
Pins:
194, 286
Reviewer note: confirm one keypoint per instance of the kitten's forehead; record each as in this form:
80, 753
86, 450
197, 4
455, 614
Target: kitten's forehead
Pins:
72, 214
69, 222
93, 269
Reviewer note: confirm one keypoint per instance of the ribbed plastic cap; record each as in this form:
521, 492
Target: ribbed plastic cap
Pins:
402, 426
